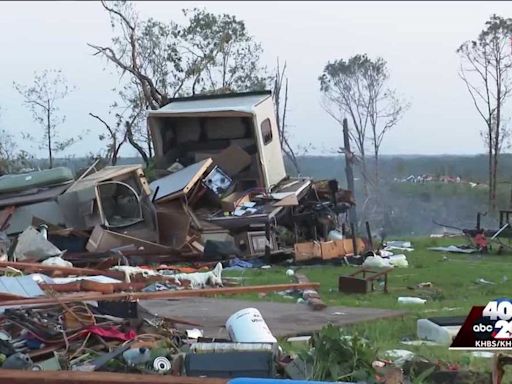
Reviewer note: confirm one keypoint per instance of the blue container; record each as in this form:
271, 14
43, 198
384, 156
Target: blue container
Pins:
279, 381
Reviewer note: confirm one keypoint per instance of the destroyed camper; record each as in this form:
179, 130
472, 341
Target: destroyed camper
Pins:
192, 129
228, 171
219, 190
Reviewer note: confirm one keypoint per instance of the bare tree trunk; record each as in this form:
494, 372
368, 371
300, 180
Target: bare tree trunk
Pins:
377, 173
149, 142
49, 131
281, 119
133, 142
113, 158
349, 157
364, 172
494, 181
490, 162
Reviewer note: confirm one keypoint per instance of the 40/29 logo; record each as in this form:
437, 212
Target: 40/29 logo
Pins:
498, 314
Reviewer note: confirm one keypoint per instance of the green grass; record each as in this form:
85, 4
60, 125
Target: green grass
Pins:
454, 292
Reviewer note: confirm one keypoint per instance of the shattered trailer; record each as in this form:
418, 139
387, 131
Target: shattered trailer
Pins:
81, 258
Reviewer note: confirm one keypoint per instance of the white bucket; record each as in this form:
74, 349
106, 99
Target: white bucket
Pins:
248, 326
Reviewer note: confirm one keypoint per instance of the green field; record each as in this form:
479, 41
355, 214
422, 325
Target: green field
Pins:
453, 293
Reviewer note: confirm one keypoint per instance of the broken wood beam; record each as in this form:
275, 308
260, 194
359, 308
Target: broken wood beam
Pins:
178, 254
64, 270
160, 295
91, 286
310, 295
14, 376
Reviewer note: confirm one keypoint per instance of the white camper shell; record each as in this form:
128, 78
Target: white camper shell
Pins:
188, 130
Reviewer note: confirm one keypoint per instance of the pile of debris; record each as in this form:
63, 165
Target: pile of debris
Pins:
220, 191
78, 255
47, 327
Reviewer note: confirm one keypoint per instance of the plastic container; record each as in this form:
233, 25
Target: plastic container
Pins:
335, 235
280, 381
411, 300
398, 261
376, 262
248, 326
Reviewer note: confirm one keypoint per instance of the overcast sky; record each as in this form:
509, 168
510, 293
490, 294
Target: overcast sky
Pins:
418, 39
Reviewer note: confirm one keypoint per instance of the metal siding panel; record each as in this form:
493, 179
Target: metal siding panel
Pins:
30, 287
236, 104
22, 286
271, 154
13, 286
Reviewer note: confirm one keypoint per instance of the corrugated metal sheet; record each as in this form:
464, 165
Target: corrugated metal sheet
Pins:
238, 103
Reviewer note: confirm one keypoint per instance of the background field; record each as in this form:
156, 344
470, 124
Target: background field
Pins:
455, 290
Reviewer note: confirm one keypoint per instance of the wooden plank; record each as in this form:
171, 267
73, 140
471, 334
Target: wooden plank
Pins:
160, 294
173, 224
13, 376
311, 296
78, 286
63, 270
346, 246
5, 216
307, 251
330, 250
106, 173
232, 160
179, 183
288, 201
102, 240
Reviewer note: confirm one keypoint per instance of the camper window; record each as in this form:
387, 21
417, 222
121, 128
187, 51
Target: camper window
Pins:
266, 131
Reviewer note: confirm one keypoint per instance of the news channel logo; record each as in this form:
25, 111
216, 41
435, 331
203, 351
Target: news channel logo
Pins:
487, 327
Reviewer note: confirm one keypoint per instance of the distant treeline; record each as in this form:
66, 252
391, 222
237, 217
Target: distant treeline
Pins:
410, 208
470, 168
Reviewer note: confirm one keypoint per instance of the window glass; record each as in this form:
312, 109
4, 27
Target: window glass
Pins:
266, 131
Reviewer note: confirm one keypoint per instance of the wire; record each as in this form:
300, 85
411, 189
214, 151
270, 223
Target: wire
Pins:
82, 347
145, 337
248, 192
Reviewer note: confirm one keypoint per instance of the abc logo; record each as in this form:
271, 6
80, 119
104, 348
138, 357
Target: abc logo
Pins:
483, 328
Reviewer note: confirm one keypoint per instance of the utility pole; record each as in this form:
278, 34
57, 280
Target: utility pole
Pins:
349, 160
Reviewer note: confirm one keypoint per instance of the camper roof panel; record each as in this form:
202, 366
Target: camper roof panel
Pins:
245, 104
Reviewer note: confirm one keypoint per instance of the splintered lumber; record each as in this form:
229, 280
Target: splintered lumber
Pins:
92, 286
310, 295
37, 267
14, 376
160, 295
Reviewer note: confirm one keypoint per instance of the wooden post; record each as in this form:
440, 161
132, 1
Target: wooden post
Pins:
268, 237
369, 233
354, 241
349, 159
